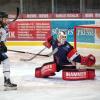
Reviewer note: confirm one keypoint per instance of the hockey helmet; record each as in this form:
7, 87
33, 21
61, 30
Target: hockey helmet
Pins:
61, 37
3, 15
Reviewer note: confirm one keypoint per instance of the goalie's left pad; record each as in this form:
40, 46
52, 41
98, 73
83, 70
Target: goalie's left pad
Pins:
45, 71
78, 74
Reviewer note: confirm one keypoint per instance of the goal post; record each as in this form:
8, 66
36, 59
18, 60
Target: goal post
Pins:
87, 34
87, 40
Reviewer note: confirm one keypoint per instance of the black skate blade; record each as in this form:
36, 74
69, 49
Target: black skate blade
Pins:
10, 88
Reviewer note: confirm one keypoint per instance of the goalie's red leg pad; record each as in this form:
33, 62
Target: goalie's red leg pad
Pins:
48, 70
38, 72
91, 73
78, 74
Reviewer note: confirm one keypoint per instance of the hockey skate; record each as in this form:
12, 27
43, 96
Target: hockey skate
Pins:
8, 85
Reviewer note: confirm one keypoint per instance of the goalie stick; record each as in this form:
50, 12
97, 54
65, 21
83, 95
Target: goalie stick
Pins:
50, 54
53, 52
33, 56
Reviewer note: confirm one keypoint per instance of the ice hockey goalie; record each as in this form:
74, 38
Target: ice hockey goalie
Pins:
65, 58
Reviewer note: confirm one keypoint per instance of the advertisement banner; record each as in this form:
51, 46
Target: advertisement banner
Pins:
68, 27
85, 35
29, 30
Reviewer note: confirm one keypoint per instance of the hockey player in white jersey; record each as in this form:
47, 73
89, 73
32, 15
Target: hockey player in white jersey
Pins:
3, 49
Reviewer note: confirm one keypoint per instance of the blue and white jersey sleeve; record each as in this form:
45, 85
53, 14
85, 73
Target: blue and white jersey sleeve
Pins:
3, 34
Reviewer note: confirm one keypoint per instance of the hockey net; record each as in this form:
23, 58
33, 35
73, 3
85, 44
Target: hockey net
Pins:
87, 41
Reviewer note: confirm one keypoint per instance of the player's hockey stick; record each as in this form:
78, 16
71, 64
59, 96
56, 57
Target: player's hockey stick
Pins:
29, 53
53, 52
17, 14
33, 56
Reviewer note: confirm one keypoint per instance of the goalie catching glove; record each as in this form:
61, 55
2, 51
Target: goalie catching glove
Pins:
83, 60
88, 60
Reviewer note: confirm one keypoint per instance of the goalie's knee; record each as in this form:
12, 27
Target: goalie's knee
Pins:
78, 74
45, 71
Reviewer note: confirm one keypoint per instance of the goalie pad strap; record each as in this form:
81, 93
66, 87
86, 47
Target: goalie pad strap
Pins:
78, 74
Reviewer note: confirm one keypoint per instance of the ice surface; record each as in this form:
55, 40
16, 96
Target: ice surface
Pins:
53, 88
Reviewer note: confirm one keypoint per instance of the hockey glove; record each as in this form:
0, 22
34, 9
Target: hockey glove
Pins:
88, 60
47, 44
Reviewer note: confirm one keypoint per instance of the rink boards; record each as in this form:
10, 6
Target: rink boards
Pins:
40, 43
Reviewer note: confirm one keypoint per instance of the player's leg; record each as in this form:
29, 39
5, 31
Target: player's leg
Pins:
6, 71
67, 66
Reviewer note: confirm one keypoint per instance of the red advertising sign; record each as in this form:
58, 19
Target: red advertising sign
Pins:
56, 16
29, 30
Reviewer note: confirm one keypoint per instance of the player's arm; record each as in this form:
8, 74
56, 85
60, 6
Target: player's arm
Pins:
3, 47
89, 60
73, 55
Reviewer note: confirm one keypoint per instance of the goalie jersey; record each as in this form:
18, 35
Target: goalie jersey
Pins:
65, 53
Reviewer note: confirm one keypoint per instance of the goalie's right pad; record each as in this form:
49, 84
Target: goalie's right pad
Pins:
45, 71
88, 60
78, 74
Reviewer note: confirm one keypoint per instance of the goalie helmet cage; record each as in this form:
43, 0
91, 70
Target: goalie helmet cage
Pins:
87, 40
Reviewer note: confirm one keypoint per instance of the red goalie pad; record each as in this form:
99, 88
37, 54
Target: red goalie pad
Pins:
78, 74
45, 71
48, 70
38, 72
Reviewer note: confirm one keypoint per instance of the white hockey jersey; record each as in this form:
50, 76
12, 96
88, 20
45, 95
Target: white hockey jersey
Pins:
3, 34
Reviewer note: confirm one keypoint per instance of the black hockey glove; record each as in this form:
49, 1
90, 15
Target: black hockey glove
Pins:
3, 47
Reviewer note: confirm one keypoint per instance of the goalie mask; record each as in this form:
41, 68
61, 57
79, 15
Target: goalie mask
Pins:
61, 37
